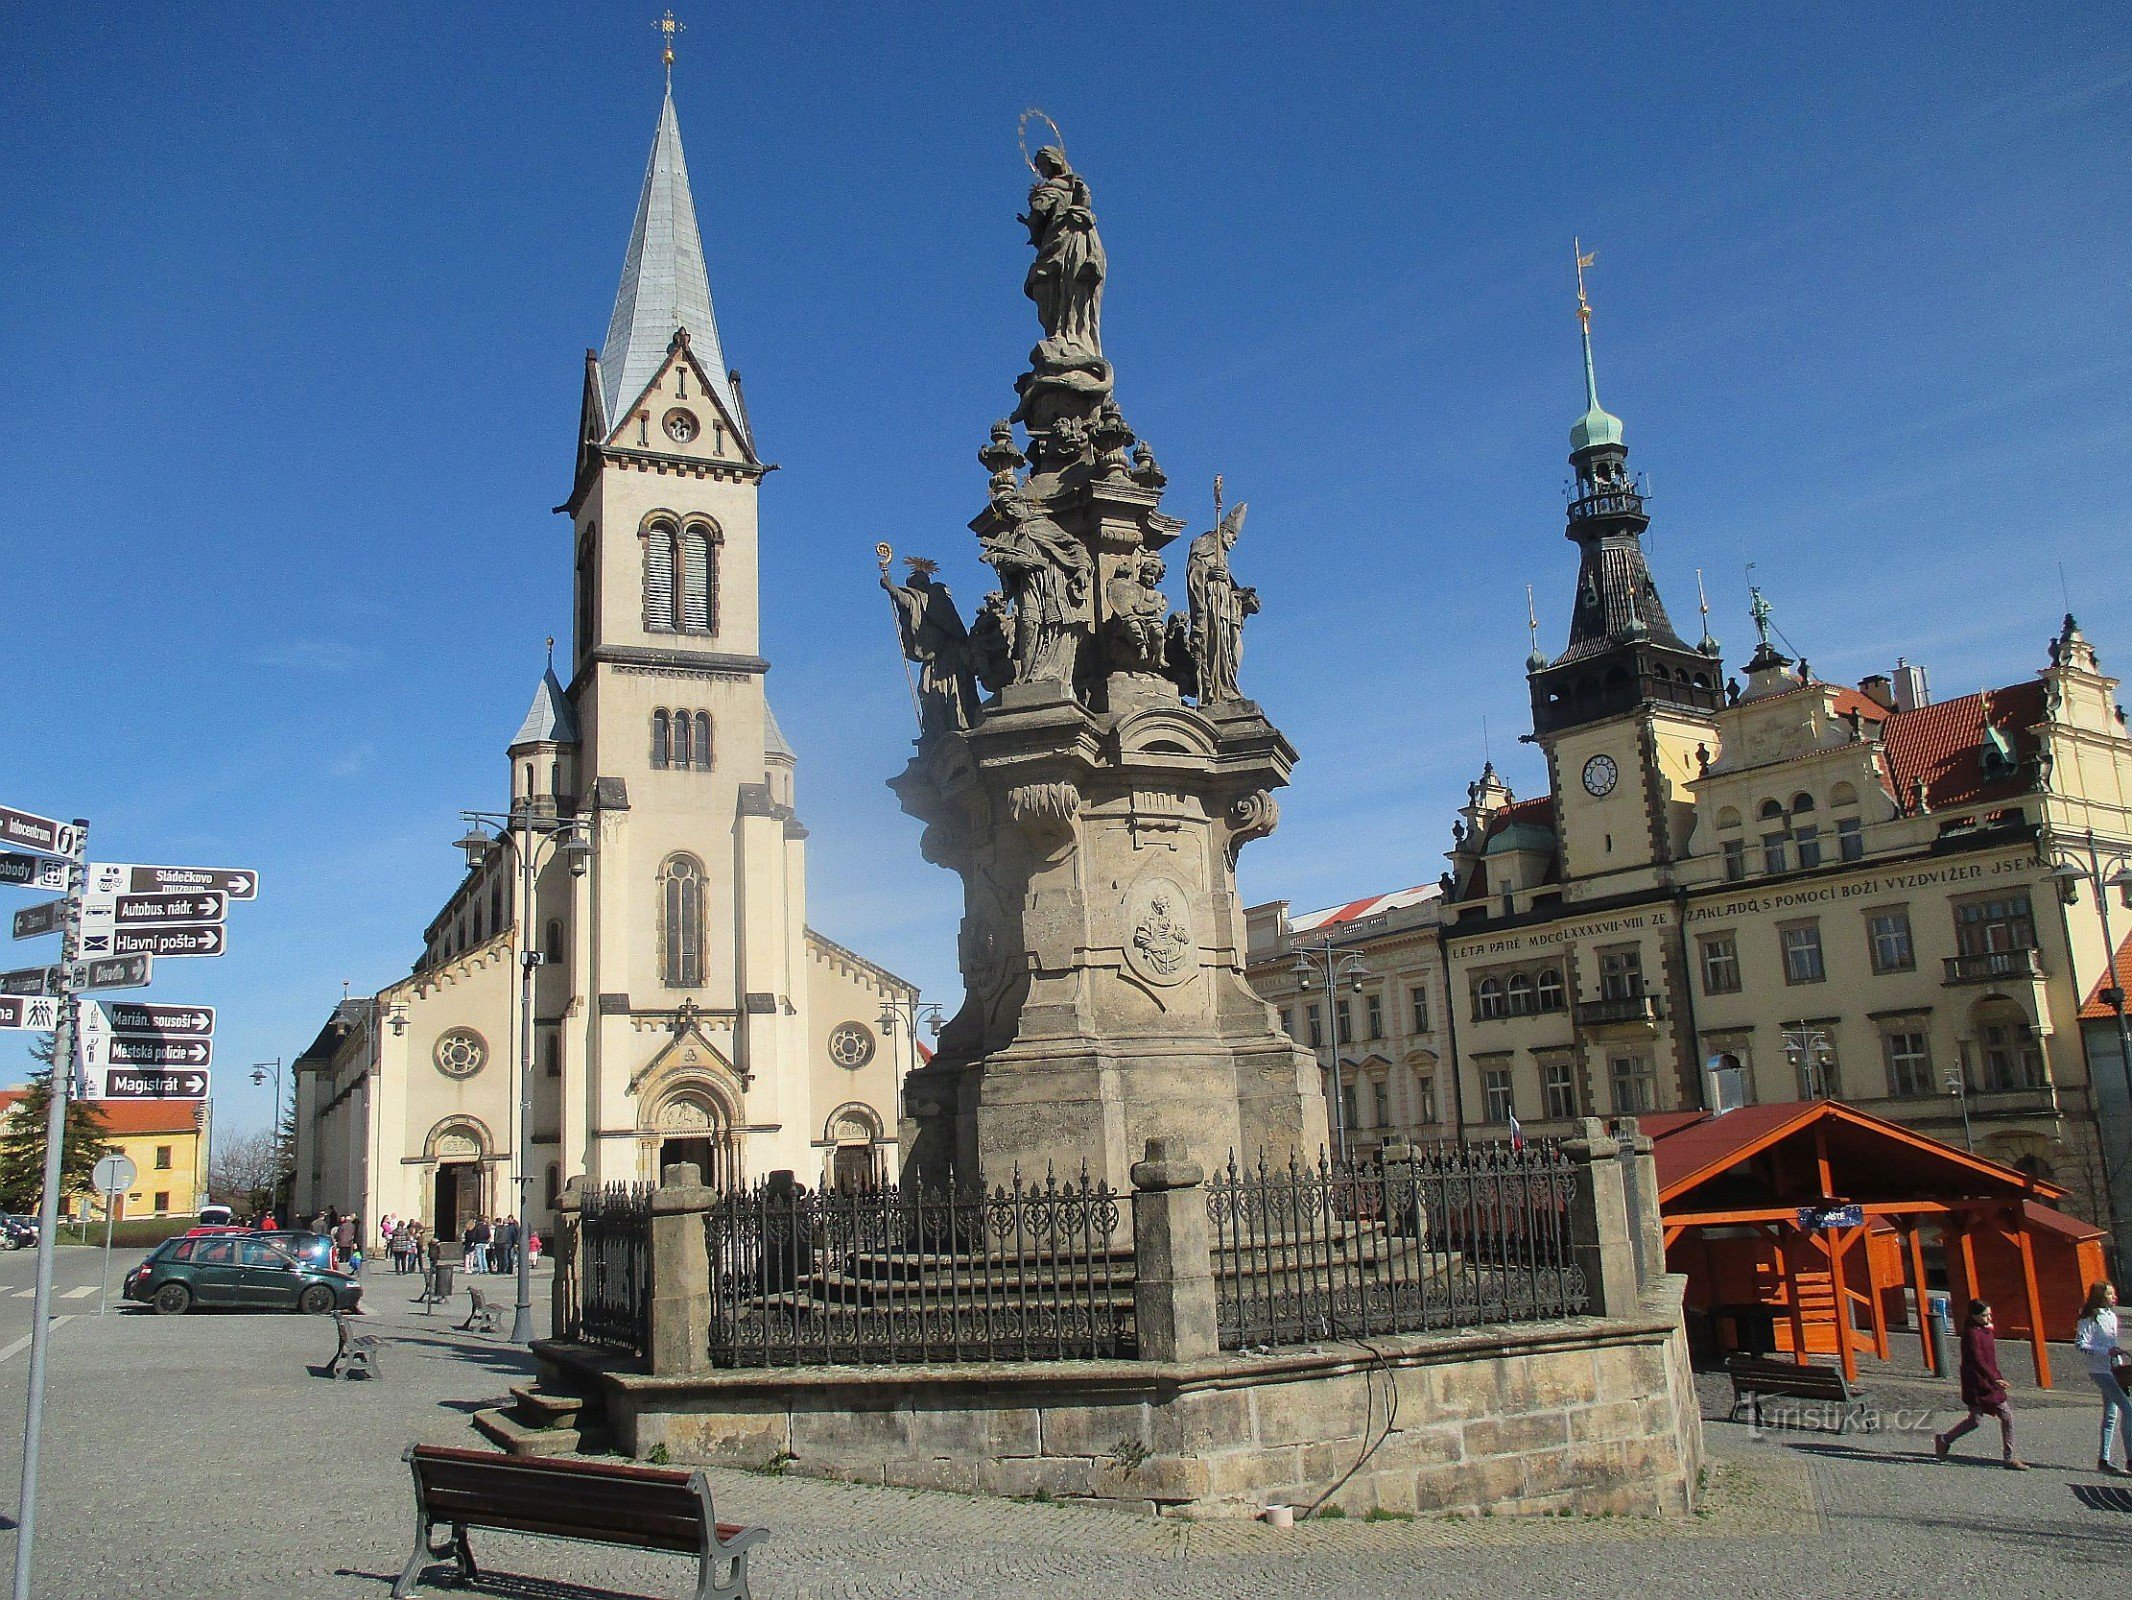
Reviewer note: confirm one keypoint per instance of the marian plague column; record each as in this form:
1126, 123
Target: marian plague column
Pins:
1089, 765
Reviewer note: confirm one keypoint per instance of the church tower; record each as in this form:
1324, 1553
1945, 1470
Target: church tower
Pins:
690, 987
1621, 710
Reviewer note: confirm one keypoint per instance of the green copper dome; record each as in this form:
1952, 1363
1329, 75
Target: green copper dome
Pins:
1595, 427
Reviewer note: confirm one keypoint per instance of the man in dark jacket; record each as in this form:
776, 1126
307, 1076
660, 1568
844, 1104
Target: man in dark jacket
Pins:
507, 1245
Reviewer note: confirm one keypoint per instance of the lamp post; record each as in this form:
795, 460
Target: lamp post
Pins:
1325, 965
908, 1015
1957, 1084
1809, 1052
261, 1072
2105, 872
530, 835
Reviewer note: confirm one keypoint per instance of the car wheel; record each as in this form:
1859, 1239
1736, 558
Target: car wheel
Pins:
173, 1300
315, 1301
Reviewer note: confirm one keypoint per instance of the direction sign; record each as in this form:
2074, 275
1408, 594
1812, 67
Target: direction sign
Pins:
126, 877
1832, 1215
112, 972
29, 980
150, 1083
164, 1021
34, 922
32, 832
33, 872
154, 942
154, 910
37, 1012
131, 1050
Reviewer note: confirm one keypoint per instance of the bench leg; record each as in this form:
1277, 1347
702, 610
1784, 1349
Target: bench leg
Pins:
463, 1554
415, 1563
735, 1586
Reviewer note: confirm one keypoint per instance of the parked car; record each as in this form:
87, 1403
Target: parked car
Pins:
242, 1273
17, 1233
216, 1216
312, 1249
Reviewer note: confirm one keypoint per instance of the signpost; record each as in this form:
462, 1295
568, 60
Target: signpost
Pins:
1833, 1215
203, 941
34, 922
39, 1013
42, 834
113, 1176
125, 877
112, 972
33, 872
29, 980
170, 1022
156, 910
150, 1083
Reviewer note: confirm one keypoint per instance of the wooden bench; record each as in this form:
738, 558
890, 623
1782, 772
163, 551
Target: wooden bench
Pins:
1756, 1376
480, 1316
558, 1499
355, 1354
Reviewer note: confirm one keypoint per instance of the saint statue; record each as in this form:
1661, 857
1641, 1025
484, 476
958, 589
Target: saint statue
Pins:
1046, 572
1219, 605
1134, 608
1066, 279
992, 643
934, 637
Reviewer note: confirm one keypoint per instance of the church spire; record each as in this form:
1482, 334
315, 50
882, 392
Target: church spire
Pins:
1597, 426
666, 287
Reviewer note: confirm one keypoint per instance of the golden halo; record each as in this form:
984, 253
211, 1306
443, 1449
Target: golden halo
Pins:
1021, 133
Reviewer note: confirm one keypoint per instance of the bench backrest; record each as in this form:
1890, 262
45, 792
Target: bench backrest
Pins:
644, 1506
1803, 1377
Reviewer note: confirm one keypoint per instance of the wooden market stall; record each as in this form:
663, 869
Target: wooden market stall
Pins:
1800, 1227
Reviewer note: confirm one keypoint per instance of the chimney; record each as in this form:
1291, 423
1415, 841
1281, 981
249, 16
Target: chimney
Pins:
1880, 689
1913, 688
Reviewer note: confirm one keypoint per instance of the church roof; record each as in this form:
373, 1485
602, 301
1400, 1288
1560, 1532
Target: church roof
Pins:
774, 742
665, 285
549, 720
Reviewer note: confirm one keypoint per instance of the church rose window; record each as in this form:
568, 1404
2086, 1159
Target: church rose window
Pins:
461, 1053
851, 1044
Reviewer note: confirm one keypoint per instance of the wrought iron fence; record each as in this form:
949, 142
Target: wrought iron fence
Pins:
608, 1298
1457, 1237
1025, 1272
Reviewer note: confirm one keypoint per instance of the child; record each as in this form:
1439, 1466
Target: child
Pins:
1983, 1389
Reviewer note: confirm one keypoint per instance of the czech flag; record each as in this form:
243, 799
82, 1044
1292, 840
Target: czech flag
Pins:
1517, 1133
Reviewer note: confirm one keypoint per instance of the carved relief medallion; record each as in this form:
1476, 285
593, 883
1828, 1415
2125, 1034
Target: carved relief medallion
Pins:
1159, 944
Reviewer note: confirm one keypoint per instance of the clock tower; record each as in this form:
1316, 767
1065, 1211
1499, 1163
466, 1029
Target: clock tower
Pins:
1622, 709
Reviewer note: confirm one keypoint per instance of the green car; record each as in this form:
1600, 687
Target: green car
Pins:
229, 1270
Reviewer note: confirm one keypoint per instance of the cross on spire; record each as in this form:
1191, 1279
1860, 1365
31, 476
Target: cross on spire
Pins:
669, 27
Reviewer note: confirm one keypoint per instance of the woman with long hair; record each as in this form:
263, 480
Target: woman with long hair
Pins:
1983, 1389
2097, 1338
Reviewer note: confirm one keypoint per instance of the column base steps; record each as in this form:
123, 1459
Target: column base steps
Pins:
542, 1422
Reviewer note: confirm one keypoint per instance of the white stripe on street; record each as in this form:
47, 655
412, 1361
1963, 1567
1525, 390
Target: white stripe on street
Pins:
9, 1352
82, 1293
25, 1294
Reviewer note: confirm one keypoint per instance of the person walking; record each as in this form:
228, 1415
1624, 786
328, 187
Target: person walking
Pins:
507, 1245
2097, 1337
1983, 1388
343, 1240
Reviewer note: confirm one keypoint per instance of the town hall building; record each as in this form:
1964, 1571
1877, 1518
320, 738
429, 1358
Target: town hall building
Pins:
681, 1008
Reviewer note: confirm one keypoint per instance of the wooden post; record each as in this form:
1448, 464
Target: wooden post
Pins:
1969, 1256
1791, 1295
1849, 1356
2035, 1298
1924, 1296
1874, 1309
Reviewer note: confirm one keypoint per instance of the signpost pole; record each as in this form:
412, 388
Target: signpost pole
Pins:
63, 1044
103, 1291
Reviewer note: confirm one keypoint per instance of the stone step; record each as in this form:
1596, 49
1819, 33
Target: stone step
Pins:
514, 1438
546, 1408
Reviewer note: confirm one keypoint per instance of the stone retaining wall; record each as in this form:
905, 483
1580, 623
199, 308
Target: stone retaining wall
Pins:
1588, 1414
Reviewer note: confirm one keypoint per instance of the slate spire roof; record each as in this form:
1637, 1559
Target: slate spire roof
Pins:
549, 720
665, 285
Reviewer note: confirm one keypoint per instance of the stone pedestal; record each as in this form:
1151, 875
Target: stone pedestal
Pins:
680, 1273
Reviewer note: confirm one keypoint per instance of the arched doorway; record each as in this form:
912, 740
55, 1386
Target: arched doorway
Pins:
853, 1134
692, 1126
457, 1189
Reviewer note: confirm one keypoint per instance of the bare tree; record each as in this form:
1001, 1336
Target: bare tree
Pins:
243, 1167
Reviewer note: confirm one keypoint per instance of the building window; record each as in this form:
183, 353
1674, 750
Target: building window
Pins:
681, 578
1721, 964
1425, 1099
1550, 989
1735, 860
1347, 1107
1811, 1049
661, 598
1343, 1022
1635, 1086
1373, 1015
2000, 925
1621, 972
681, 922
1381, 1104
162, 1202
2011, 1059
1909, 1058
1558, 1080
1850, 839
1890, 936
1520, 993
661, 739
1808, 841
703, 741
1287, 1022
551, 1056
1772, 852
587, 592
162, 1158
1317, 1030
1418, 999
1802, 953
1488, 1002
1502, 1102
680, 753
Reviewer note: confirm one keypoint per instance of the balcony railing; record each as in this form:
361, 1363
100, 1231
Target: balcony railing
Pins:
1991, 965
1620, 1008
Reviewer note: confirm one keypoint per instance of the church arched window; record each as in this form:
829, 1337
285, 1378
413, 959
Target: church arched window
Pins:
703, 740
662, 573
587, 591
681, 922
661, 738
696, 579
681, 751
552, 946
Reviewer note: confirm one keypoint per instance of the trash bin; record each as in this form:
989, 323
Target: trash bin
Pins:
1939, 1323
440, 1283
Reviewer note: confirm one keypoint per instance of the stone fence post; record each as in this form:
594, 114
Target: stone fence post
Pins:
1173, 1266
568, 1262
1639, 1177
680, 1273
1599, 1222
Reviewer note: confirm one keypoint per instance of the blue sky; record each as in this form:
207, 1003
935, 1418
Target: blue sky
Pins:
295, 300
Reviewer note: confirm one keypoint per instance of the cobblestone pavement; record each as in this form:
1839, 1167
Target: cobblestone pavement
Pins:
200, 1455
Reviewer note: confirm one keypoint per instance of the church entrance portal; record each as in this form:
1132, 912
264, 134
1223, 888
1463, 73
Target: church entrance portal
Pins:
701, 1152
852, 1169
457, 1198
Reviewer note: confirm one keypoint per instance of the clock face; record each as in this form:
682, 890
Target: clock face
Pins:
1600, 775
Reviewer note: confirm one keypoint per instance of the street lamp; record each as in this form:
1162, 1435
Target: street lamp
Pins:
1326, 965
262, 1071
2105, 872
1812, 1057
1958, 1086
908, 1014
530, 836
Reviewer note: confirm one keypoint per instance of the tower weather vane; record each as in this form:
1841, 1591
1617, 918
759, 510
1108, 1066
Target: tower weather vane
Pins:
1584, 306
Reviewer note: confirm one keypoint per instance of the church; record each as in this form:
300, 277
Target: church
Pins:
662, 977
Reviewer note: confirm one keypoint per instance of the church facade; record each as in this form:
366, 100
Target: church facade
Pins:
681, 1008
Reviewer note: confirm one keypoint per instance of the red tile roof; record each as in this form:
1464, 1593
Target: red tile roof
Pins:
2097, 1009
1540, 812
1943, 744
126, 1117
